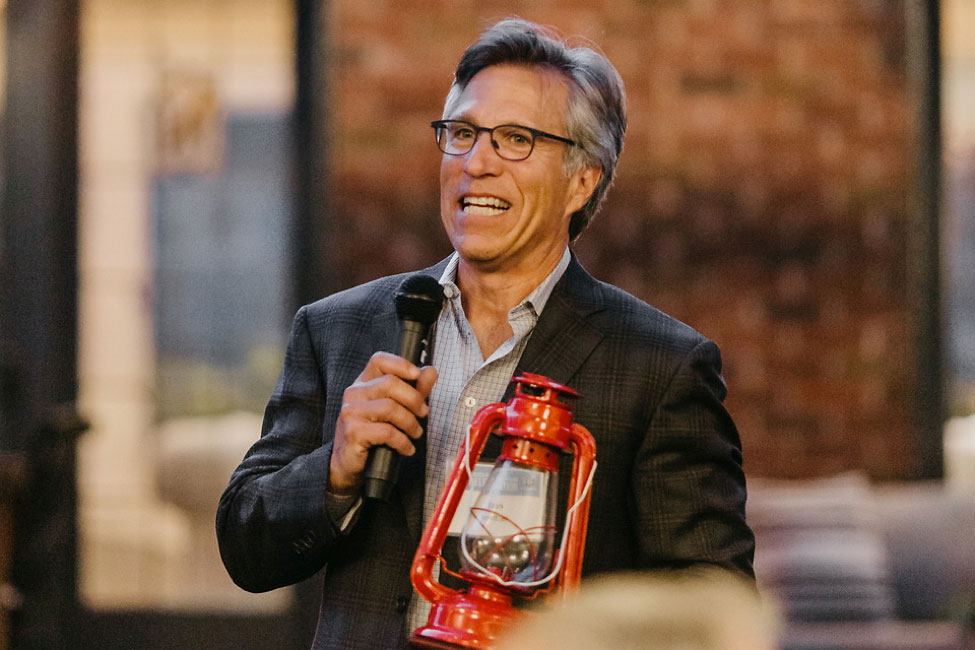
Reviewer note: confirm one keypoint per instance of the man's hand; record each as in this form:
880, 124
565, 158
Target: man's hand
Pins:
379, 408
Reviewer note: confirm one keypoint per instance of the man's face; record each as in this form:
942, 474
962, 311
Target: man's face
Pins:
504, 215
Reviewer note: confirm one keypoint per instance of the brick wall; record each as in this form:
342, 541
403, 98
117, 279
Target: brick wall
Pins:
761, 194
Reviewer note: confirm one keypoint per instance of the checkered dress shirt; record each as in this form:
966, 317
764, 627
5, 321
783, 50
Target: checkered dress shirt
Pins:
467, 381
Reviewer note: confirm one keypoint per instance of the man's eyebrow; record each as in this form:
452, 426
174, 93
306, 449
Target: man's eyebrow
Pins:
464, 117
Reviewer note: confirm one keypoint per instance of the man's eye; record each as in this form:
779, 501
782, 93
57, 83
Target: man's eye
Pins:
516, 137
462, 133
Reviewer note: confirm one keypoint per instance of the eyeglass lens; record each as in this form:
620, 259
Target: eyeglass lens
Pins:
512, 142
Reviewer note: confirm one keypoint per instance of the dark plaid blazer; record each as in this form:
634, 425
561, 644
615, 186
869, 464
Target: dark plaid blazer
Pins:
669, 491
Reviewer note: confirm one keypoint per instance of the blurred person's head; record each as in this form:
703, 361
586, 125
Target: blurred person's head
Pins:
595, 114
687, 610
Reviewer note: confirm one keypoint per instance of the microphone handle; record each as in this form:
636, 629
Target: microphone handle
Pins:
382, 466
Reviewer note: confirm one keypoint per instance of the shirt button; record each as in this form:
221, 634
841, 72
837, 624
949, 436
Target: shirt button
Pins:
402, 602
470, 402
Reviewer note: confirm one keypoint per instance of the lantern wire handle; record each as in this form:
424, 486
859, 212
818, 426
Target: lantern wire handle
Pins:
565, 531
467, 453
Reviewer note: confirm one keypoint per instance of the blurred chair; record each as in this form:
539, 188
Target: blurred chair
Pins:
863, 567
195, 458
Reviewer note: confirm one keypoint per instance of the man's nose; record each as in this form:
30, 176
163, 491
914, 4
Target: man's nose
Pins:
482, 158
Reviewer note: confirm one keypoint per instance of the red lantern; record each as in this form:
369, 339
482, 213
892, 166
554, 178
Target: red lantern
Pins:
508, 545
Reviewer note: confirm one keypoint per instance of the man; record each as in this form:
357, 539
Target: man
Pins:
531, 133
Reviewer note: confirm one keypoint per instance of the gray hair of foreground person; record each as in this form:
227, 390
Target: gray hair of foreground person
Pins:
687, 610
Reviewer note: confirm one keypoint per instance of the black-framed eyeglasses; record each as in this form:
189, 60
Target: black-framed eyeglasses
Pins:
511, 141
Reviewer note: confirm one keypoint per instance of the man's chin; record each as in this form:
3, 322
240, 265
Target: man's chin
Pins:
482, 258
477, 247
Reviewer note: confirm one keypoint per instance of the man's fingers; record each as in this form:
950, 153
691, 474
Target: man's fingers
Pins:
352, 447
386, 363
381, 410
382, 407
370, 434
392, 388
428, 377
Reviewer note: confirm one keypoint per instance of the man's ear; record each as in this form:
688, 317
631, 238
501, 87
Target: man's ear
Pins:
581, 186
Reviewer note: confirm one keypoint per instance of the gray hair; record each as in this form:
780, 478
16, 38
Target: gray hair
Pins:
692, 609
596, 115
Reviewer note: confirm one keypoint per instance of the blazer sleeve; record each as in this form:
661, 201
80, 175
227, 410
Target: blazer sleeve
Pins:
688, 483
272, 526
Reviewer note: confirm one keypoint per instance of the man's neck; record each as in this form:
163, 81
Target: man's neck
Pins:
488, 296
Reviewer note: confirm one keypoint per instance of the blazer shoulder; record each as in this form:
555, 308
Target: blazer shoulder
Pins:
369, 296
374, 297
630, 317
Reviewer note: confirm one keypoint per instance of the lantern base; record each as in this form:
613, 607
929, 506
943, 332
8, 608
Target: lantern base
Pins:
466, 620
431, 644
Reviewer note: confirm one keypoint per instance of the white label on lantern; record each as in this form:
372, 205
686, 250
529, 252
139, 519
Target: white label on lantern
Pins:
524, 499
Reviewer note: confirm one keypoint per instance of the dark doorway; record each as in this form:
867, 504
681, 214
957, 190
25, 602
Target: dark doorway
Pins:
40, 425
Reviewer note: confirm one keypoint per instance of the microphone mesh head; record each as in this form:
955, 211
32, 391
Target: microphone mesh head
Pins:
419, 299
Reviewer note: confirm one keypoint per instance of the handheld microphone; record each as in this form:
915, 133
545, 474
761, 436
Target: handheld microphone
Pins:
418, 302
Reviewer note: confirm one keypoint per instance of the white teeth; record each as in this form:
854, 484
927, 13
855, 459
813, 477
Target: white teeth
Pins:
484, 205
482, 211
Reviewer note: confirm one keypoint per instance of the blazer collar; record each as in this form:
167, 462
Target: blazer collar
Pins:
564, 337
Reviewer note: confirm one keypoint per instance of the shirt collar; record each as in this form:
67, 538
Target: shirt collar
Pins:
536, 299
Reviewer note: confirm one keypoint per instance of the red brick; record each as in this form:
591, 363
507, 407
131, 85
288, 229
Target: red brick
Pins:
761, 196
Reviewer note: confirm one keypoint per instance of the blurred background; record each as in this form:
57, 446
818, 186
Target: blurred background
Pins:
177, 177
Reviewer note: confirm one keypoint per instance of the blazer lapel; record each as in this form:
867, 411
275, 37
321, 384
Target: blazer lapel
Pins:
563, 337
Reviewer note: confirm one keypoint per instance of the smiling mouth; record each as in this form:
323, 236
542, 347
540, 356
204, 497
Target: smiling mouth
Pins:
483, 205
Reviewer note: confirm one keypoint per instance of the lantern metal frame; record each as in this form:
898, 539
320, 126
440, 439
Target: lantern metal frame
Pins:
537, 428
